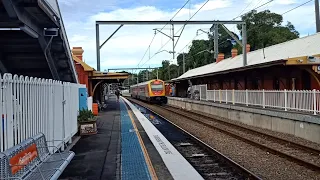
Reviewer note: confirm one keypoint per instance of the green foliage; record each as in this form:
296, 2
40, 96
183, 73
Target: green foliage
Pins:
85, 115
265, 29
225, 45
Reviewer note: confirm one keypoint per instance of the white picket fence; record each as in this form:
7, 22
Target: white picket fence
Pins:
33, 105
298, 100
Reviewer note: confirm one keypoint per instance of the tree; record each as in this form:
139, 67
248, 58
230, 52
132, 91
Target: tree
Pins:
265, 29
224, 42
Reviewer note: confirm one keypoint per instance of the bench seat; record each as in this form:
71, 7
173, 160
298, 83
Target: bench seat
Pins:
40, 165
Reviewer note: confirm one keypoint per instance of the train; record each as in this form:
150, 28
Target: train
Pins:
152, 91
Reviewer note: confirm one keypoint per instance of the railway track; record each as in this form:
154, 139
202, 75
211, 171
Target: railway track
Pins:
306, 156
210, 163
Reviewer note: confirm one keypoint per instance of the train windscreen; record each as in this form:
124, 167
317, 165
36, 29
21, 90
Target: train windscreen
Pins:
157, 87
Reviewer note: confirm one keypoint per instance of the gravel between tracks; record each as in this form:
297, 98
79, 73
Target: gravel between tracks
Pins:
262, 163
260, 138
267, 131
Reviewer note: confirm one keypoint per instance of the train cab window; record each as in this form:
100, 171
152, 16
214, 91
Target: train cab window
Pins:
156, 87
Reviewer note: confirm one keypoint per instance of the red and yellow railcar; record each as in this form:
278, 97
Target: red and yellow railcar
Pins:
151, 91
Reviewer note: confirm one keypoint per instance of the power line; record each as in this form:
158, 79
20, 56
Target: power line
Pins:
177, 31
296, 7
262, 5
190, 41
147, 50
249, 11
244, 10
175, 14
161, 30
253, 8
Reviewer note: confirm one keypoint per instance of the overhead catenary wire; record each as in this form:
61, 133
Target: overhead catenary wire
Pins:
297, 7
264, 4
252, 10
148, 49
244, 10
177, 32
240, 14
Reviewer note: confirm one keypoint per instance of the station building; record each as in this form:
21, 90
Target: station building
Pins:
292, 65
95, 81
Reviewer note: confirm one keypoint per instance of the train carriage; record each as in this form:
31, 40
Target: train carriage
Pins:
151, 91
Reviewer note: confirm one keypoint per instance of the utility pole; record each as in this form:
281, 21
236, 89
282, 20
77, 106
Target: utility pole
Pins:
244, 44
216, 41
183, 63
157, 73
132, 76
169, 71
128, 82
147, 74
316, 3
98, 46
173, 46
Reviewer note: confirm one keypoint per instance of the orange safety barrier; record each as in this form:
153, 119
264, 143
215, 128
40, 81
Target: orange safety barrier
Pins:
95, 109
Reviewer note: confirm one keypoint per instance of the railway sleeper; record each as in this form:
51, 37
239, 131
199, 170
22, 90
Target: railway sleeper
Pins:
184, 144
207, 165
219, 174
198, 155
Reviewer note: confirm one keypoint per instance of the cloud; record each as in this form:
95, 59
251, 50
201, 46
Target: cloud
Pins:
128, 46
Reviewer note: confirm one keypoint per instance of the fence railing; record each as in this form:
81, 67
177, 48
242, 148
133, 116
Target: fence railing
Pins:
33, 105
298, 100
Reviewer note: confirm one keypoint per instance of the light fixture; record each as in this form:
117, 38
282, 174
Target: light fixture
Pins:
51, 32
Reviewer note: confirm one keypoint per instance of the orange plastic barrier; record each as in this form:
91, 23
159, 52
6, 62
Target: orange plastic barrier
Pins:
95, 108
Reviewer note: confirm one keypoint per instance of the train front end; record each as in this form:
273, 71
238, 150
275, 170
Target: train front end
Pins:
157, 92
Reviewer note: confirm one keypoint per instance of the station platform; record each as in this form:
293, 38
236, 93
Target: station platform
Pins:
127, 146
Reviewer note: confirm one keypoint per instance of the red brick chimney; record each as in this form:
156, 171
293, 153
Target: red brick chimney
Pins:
220, 57
77, 51
234, 52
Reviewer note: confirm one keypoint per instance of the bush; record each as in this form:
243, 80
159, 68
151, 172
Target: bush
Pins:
85, 115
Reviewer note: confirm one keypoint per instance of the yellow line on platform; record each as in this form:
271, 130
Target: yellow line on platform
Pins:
144, 150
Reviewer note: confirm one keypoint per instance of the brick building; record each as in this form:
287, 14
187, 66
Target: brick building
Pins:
292, 65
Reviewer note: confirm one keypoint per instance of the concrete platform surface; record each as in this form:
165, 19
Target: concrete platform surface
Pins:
99, 156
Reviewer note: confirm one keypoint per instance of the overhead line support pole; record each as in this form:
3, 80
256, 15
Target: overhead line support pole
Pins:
183, 62
98, 47
244, 44
111, 35
316, 2
232, 35
150, 23
163, 33
216, 41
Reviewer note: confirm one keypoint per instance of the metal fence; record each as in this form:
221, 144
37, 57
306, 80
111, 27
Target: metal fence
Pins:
32, 105
298, 100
